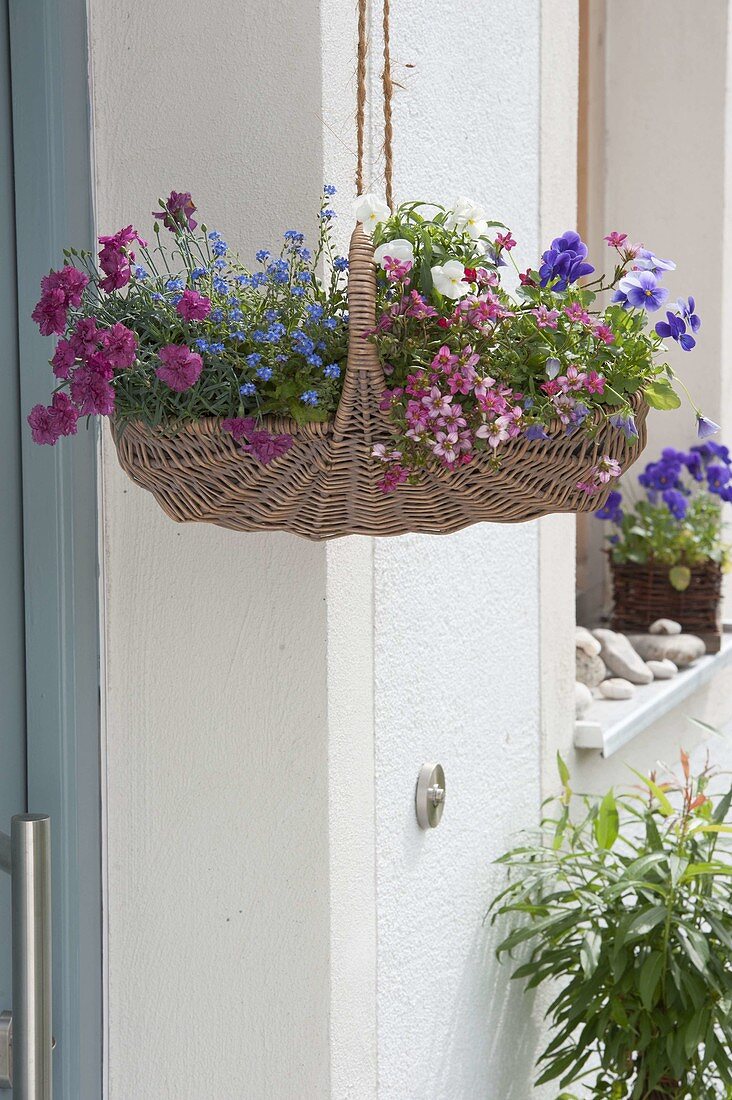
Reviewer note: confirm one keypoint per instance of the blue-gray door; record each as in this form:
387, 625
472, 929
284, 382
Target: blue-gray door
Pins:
49, 620
12, 633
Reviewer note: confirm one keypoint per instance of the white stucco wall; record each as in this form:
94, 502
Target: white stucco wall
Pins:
457, 624
278, 926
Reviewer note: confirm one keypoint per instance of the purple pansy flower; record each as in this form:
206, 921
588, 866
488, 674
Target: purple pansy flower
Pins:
687, 308
612, 510
675, 328
640, 290
565, 261
646, 261
675, 502
625, 423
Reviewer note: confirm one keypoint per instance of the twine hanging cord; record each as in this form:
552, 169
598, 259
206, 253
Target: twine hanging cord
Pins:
387, 85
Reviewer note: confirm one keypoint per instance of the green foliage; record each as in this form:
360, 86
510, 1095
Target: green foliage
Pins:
623, 906
649, 532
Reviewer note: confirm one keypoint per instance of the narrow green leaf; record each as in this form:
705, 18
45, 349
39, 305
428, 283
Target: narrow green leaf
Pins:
664, 805
645, 921
607, 824
563, 770
590, 952
649, 979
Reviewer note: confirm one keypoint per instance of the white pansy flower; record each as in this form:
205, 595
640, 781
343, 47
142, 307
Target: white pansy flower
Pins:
370, 211
398, 249
449, 279
468, 217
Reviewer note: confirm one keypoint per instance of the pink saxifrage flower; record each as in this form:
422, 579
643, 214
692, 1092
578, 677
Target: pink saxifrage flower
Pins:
546, 318
505, 240
616, 240
604, 333
179, 367
576, 312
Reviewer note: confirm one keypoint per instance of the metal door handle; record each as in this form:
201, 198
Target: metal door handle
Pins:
25, 1037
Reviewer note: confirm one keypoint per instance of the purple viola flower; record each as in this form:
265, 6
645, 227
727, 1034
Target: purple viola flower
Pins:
717, 477
687, 309
625, 423
675, 328
565, 261
640, 290
705, 427
693, 463
536, 431
646, 261
712, 449
675, 502
661, 475
612, 510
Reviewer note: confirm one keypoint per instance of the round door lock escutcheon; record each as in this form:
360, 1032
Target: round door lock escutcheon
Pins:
430, 795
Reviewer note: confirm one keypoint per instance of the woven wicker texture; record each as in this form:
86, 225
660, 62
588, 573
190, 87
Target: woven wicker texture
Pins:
326, 485
643, 593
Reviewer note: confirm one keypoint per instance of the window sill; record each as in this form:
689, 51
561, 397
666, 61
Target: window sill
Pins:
610, 724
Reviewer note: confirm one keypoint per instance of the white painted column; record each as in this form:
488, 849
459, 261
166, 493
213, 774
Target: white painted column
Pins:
277, 924
216, 683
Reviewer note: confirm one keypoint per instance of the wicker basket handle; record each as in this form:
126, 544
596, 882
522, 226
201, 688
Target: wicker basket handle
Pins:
363, 361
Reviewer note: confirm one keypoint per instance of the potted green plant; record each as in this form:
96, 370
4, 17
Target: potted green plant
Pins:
623, 904
667, 547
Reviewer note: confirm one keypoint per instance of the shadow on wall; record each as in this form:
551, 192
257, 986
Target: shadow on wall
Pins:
506, 1023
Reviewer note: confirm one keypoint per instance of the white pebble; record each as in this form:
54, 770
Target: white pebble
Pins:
582, 699
617, 688
665, 626
663, 670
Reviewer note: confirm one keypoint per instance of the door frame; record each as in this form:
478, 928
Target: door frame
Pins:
54, 208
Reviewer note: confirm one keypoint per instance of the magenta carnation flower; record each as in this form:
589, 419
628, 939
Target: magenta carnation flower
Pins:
263, 445
119, 345
70, 280
91, 389
63, 360
180, 367
42, 425
116, 256
178, 213
64, 414
193, 306
51, 312
239, 426
116, 268
48, 423
85, 338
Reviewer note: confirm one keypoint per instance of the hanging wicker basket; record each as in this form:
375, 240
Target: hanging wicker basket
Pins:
644, 593
326, 485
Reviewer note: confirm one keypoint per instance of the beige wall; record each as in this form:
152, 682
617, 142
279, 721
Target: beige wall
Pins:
658, 171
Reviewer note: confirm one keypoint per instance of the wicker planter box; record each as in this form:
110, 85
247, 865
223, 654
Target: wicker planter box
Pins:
643, 593
326, 485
